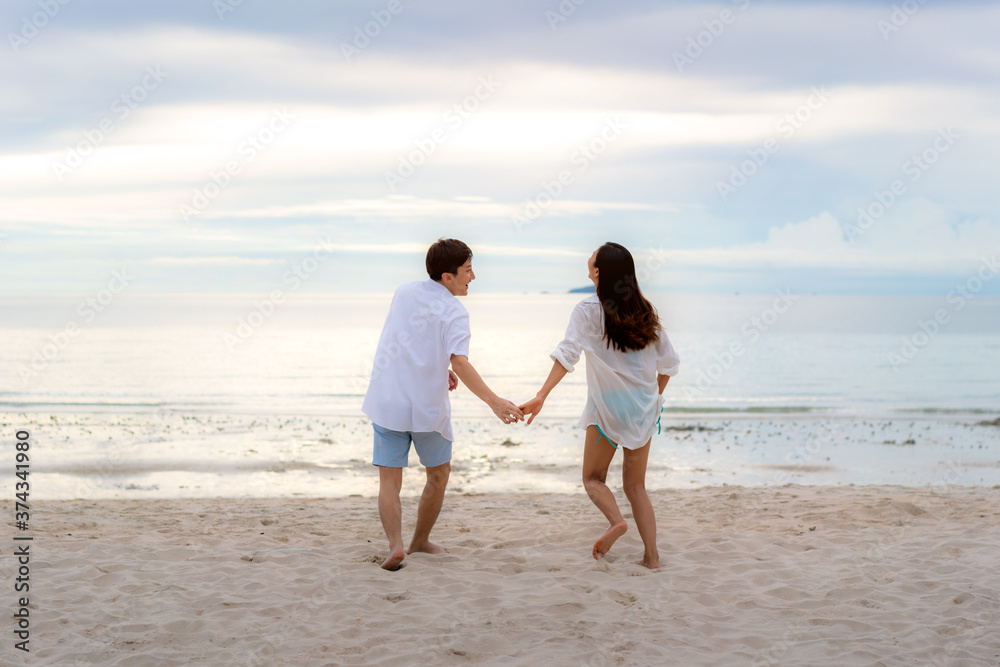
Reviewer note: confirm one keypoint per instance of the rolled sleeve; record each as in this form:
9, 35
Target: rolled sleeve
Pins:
668, 362
567, 353
457, 336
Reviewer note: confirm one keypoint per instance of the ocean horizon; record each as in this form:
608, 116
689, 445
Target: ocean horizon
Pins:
163, 397
782, 353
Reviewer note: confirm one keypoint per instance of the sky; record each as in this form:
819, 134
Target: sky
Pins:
227, 146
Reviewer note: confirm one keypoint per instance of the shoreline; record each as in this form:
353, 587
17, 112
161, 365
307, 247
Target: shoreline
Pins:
799, 575
207, 456
9, 410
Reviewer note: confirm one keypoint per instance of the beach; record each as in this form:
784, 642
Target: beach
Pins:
195, 503
240, 239
789, 575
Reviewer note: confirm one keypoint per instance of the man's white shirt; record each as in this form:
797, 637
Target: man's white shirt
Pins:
408, 391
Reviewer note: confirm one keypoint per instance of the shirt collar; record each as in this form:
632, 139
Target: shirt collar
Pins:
440, 286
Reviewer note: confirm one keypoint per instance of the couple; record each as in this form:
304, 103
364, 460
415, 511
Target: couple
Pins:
629, 362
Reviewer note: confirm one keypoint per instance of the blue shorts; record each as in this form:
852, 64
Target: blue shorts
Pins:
392, 448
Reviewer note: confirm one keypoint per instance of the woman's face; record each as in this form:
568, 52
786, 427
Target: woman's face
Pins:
591, 269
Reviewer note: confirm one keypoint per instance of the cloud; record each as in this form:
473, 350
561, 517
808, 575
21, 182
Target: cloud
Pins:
480, 248
408, 207
917, 243
221, 261
356, 121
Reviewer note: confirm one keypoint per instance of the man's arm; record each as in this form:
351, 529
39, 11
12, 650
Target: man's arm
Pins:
502, 408
534, 406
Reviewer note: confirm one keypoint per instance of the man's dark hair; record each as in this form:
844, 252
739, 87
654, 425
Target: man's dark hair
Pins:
445, 256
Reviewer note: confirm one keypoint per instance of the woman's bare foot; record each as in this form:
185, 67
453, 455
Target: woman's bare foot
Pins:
395, 560
426, 547
608, 539
653, 563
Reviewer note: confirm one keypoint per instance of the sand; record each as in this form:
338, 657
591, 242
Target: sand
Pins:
790, 575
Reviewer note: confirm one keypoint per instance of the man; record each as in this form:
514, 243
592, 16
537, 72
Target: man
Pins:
407, 399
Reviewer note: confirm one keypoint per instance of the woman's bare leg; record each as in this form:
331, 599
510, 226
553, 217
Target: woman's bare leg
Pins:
634, 481
597, 455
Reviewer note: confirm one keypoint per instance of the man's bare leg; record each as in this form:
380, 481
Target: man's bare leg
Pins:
430, 506
634, 481
390, 481
597, 455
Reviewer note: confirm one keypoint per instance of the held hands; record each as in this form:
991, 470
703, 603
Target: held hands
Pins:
506, 411
532, 407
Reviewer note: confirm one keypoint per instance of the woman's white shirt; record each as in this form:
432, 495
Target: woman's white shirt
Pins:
622, 393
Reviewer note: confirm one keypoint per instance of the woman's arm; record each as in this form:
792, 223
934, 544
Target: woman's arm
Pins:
662, 381
564, 358
534, 406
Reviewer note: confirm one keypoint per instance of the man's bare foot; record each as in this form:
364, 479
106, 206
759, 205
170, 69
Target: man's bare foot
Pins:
651, 563
427, 548
395, 560
607, 540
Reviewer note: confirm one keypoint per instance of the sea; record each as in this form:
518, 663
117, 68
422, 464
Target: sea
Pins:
242, 395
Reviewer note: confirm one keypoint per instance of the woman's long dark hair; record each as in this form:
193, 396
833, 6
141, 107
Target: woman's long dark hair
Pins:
630, 321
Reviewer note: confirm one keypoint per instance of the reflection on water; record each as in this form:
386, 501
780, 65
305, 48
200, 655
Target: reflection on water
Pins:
826, 354
128, 456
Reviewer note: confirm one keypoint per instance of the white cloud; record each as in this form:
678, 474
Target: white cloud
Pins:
483, 249
912, 244
816, 234
408, 207
354, 122
224, 261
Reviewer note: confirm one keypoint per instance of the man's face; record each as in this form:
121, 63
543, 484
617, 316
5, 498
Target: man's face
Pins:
458, 283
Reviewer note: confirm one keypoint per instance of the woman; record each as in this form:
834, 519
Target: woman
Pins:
629, 362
